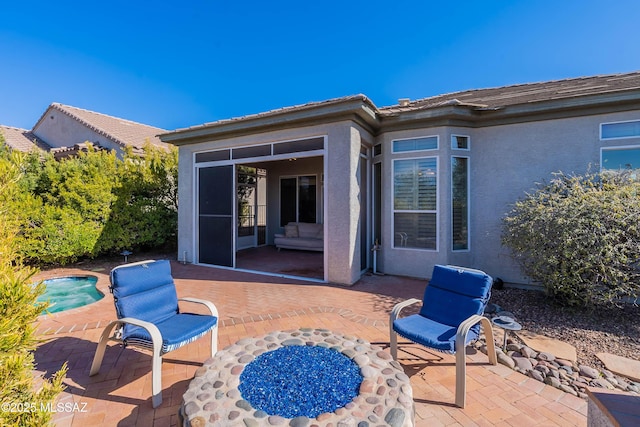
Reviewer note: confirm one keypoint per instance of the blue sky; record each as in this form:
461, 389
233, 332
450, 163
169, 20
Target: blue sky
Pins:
178, 64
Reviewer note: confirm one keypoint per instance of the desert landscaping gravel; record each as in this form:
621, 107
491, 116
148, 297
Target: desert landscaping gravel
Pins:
614, 330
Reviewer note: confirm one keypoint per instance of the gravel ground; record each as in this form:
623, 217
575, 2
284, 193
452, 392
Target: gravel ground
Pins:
604, 330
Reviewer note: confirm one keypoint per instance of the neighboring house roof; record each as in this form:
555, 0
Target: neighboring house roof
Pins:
22, 139
121, 131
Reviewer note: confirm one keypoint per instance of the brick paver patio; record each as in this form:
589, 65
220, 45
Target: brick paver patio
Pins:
252, 305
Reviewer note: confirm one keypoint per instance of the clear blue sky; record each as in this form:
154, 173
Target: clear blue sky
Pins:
177, 64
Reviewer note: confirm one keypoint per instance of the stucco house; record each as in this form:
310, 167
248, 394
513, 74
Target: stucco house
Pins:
65, 130
427, 180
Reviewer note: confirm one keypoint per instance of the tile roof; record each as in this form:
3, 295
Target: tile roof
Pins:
123, 132
499, 97
22, 139
282, 111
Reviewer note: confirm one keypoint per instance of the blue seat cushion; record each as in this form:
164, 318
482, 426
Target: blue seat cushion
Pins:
453, 295
145, 291
430, 333
176, 331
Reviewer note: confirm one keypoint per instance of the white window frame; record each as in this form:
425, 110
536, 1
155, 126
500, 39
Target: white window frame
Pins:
453, 144
430, 211
618, 137
617, 148
437, 137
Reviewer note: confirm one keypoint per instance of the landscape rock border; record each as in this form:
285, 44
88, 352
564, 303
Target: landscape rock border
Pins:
566, 375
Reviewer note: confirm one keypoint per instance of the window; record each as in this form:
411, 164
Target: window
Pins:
620, 158
415, 144
298, 199
415, 203
460, 142
460, 203
620, 130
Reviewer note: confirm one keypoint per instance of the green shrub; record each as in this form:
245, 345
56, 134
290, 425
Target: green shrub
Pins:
18, 311
94, 204
579, 237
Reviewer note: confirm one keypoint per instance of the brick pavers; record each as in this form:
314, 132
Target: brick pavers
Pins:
252, 305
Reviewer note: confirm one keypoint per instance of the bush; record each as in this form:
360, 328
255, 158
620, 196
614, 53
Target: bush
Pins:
18, 312
94, 204
579, 237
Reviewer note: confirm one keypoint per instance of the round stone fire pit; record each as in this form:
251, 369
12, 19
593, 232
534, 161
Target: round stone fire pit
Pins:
305, 378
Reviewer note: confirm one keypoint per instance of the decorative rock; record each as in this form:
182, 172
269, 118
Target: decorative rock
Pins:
564, 362
552, 381
276, 420
543, 369
505, 360
546, 356
299, 422
347, 422
523, 363
384, 392
243, 404
191, 408
537, 375
528, 352
603, 383
568, 389
395, 417
588, 371
197, 422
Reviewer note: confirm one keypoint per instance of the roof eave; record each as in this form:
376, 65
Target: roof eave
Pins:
472, 116
359, 110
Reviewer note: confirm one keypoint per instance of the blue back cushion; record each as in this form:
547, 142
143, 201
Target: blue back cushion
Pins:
453, 295
145, 291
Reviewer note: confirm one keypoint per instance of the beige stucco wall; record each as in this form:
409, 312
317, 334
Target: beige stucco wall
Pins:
505, 162
508, 161
342, 259
59, 130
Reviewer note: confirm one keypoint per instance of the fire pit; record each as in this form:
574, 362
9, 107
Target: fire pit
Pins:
306, 377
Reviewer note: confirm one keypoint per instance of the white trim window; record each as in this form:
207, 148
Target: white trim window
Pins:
415, 204
414, 144
620, 130
460, 203
620, 158
460, 142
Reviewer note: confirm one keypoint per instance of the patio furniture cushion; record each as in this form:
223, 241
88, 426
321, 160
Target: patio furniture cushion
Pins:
453, 295
431, 334
176, 331
145, 291
302, 236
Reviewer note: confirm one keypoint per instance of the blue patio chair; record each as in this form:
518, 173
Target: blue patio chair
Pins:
449, 319
149, 317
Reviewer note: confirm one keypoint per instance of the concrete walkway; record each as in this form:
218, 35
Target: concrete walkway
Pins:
252, 305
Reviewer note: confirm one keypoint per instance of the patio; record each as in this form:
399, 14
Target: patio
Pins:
252, 305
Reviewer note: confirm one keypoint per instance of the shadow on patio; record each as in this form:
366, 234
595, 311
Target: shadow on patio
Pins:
252, 305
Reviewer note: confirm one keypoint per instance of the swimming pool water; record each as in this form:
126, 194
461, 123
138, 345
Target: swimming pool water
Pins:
65, 293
